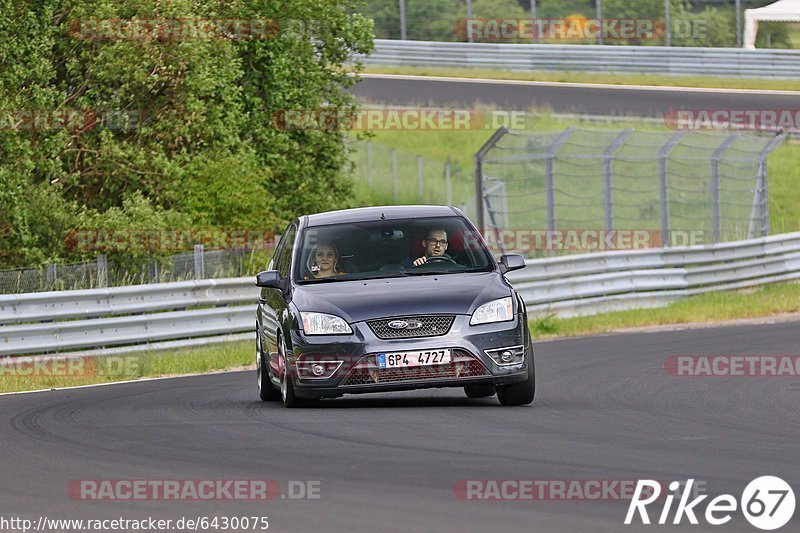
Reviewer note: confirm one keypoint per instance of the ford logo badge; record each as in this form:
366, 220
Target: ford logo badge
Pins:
398, 324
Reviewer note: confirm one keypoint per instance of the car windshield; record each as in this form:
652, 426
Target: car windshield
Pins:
391, 248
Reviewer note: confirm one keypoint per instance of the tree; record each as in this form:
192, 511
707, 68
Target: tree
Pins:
184, 121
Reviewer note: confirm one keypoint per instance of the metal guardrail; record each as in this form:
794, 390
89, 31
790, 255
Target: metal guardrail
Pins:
612, 281
162, 315
120, 319
729, 62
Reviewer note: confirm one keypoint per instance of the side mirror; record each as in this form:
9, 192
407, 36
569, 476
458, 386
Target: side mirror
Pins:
509, 262
269, 278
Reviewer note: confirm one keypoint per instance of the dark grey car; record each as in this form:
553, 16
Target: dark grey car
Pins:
377, 322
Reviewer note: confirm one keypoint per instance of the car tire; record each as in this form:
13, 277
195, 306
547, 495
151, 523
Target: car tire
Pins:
266, 390
287, 383
521, 393
480, 391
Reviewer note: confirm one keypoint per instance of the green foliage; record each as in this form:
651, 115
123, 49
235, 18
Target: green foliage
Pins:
194, 131
773, 35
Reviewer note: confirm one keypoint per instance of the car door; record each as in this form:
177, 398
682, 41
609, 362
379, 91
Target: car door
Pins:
275, 302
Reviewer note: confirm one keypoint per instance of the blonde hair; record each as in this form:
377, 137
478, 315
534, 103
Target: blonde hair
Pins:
312, 257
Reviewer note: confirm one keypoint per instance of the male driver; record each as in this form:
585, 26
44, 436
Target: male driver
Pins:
435, 245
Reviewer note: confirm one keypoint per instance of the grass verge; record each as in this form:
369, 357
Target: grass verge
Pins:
769, 300
594, 77
90, 370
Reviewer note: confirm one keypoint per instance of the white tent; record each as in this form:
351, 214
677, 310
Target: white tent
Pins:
780, 11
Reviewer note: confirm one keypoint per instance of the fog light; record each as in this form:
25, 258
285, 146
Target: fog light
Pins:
318, 369
508, 355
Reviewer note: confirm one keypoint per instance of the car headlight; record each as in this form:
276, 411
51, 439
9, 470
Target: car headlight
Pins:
322, 324
495, 311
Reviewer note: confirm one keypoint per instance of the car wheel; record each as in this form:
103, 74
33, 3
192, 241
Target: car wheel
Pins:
287, 383
519, 393
479, 391
266, 390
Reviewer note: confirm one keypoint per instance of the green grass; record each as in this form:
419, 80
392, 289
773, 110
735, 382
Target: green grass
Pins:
592, 77
794, 35
124, 367
764, 301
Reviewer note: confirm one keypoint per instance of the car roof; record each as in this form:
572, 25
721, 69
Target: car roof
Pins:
392, 212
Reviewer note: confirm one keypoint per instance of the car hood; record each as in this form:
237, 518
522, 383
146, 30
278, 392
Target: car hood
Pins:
356, 301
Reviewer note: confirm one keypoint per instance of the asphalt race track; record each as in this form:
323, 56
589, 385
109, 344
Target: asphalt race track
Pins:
605, 410
564, 98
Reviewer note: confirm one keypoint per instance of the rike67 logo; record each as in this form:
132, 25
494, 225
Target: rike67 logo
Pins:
767, 503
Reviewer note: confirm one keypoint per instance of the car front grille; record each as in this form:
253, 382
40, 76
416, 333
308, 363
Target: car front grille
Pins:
429, 326
463, 365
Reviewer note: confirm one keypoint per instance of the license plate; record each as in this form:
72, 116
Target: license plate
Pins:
407, 359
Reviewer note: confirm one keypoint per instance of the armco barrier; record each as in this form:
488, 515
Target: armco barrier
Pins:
676, 60
610, 281
191, 313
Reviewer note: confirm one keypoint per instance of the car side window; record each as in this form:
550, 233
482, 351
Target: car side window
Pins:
273, 262
285, 261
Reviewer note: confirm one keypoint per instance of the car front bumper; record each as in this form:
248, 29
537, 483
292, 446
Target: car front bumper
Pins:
352, 359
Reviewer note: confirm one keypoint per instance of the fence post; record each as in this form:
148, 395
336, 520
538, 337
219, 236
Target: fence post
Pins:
102, 270
550, 189
394, 175
469, 17
199, 262
663, 184
369, 163
403, 34
447, 184
762, 182
420, 186
52, 274
715, 207
479, 156
613, 147
599, 8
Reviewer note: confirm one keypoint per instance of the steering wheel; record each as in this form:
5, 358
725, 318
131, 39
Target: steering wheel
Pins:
438, 259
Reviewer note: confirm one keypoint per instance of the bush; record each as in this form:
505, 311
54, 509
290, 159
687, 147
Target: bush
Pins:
200, 141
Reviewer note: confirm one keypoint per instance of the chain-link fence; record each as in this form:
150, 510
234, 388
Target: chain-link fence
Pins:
104, 272
690, 23
665, 188
384, 175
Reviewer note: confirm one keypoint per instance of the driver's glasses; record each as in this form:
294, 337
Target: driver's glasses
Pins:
440, 242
